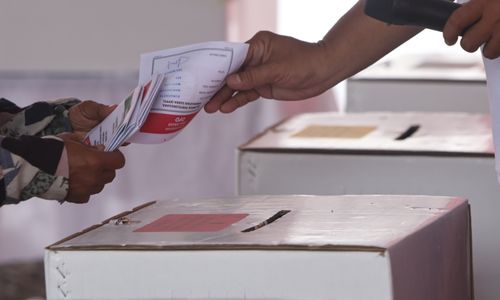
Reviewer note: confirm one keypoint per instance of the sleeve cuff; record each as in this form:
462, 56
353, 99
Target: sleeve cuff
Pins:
39, 119
26, 173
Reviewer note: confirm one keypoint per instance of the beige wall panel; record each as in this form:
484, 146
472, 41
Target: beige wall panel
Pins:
100, 35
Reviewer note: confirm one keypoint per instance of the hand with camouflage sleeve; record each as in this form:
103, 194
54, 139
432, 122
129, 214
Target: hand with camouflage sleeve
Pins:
90, 168
36, 162
86, 115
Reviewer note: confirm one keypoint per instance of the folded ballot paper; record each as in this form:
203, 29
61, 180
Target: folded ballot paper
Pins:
174, 85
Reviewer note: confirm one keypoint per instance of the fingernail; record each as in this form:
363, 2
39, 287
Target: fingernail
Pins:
236, 78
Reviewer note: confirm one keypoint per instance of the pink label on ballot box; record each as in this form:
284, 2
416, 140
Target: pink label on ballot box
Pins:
192, 223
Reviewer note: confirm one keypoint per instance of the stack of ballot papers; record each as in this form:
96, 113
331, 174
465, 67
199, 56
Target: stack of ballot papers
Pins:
127, 118
174, 85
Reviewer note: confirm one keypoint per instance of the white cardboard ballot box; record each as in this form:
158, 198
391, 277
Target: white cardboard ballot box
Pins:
386, 153
271, 247
420, 83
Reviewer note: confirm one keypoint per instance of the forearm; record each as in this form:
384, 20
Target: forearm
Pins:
283, 68
356, 41
32, 167
38, 119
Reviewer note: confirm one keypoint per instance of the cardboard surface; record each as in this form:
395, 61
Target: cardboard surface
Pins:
370, 222
446, 133
301, 247
430, 68
192, 223
449, 154
346, 132
420, 83
218, 274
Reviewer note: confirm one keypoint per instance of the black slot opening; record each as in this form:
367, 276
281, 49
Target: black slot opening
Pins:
273, 218
408, 133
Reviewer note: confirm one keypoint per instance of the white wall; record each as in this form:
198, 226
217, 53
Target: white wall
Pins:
100, 35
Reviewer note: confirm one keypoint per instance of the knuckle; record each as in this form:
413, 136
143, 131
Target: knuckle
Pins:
247, 76
264, 34
454, 22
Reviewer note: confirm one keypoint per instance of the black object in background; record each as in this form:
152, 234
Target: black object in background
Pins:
430, 14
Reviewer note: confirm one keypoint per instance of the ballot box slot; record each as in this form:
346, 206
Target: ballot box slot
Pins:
268, 221
408, 132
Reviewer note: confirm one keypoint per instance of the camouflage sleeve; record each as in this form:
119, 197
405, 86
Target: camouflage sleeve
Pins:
38, 119
25, 173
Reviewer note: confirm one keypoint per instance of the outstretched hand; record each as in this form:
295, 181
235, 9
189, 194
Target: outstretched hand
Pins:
90, 168
277, 67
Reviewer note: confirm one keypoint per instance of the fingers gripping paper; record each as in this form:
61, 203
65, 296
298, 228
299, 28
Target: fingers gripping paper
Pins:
174, 85
193, 74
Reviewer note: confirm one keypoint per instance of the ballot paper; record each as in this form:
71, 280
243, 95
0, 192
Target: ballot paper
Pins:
128, 116
193, 74
174, 85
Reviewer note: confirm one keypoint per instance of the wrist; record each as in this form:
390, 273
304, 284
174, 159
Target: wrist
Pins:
326, 66
34, 173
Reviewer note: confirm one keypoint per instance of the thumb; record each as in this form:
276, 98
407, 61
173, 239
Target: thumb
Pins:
111, 160
103, 111
252, 78
96, 111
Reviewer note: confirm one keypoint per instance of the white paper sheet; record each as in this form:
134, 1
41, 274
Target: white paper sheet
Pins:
127, 118
107, 130
193, 74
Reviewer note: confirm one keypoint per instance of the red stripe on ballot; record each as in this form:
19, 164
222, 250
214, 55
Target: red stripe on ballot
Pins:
164, 123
